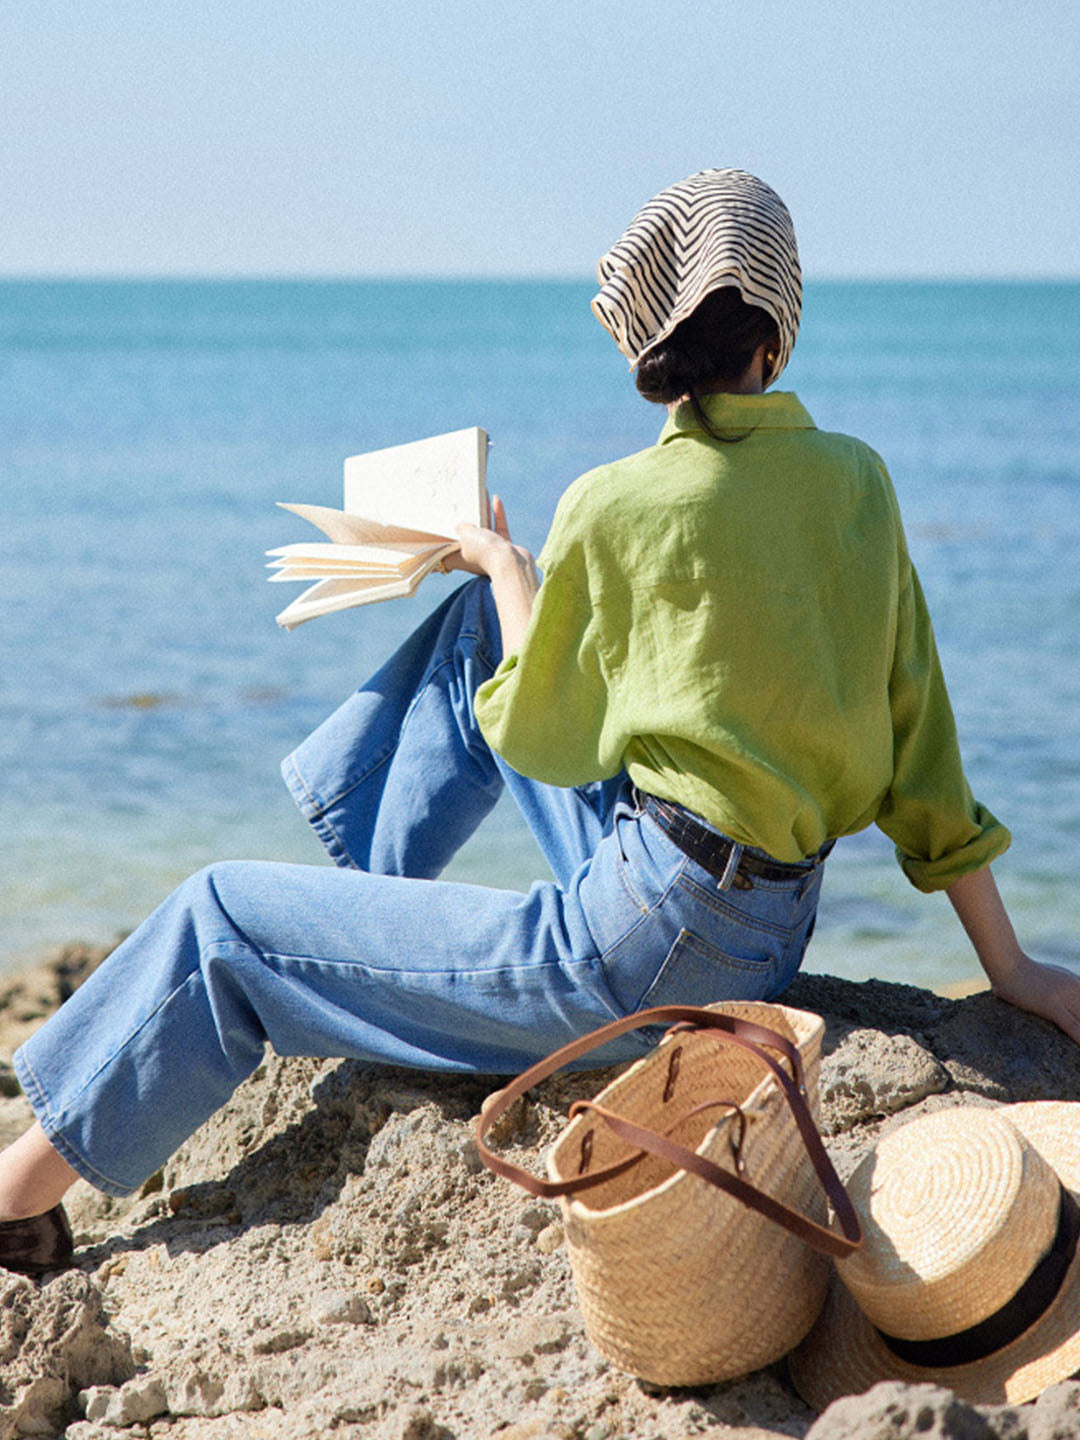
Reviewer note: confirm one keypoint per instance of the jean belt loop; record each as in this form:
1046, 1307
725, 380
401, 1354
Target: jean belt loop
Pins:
732, 866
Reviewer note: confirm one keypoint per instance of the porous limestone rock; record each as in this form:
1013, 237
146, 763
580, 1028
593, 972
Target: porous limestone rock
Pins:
327, 1256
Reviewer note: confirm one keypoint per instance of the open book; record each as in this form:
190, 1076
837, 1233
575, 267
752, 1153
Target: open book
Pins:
401, 509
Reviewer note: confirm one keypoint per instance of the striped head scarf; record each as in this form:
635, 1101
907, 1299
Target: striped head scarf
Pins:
717, 228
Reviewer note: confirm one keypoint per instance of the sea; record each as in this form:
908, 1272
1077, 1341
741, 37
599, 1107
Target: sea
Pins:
148, 428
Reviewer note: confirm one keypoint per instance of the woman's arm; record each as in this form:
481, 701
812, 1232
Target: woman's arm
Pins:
514, 581
1046, 990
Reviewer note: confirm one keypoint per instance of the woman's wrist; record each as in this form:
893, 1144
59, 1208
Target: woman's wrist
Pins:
514, 583
511, 570
1008, 972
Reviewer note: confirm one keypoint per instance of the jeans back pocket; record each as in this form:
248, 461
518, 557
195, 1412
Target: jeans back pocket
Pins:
697, 972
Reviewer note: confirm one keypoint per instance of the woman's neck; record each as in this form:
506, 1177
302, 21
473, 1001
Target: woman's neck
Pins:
750, 382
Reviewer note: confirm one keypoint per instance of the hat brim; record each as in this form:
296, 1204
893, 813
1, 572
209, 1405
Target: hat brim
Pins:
845, 1355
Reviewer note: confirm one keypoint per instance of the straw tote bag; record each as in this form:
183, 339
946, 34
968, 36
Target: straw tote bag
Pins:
694, 1190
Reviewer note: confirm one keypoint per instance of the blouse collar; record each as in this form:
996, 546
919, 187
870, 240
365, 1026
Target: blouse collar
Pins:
774, 410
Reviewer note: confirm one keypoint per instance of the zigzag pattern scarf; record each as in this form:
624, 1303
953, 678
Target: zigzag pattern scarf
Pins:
716, 228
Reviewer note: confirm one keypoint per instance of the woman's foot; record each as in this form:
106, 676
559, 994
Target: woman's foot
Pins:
34, 1232
37, 1243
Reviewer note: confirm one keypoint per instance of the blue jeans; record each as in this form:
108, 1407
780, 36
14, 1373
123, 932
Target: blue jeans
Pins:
378, 960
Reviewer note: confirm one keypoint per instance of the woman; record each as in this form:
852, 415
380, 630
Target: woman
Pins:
729, 665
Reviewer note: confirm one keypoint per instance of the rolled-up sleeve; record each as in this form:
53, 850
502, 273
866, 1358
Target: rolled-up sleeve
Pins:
940, 831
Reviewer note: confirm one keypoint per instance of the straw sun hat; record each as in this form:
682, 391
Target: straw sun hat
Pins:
969, 1275
714, 229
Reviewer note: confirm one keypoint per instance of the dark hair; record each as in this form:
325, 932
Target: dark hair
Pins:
716, 342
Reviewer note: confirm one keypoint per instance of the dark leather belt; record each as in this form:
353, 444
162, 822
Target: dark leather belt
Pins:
713, 852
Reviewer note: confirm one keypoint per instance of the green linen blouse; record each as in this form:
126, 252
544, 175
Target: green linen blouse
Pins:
740, 626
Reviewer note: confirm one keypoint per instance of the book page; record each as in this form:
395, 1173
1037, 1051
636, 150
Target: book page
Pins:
345, 529
295, 562
429, 485
330, 595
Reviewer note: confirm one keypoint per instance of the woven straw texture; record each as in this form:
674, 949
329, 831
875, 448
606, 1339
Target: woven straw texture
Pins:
957, 1209
679, 1282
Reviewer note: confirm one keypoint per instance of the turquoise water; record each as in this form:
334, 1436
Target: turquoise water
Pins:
146, 429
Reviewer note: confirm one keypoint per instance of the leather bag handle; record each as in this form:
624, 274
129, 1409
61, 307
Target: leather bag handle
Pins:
745, 1033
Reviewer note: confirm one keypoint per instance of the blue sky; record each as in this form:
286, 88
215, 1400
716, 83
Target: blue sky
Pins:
466, 137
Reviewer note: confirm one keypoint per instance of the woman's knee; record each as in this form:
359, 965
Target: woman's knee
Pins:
263, 907
207, 902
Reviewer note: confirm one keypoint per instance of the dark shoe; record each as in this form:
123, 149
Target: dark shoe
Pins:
36, 1244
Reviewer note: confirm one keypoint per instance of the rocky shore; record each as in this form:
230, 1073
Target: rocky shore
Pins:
327, 1257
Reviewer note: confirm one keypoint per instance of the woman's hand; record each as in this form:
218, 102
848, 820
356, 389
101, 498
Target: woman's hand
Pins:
483, 551
1045, 990
510, 567
1049, 991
